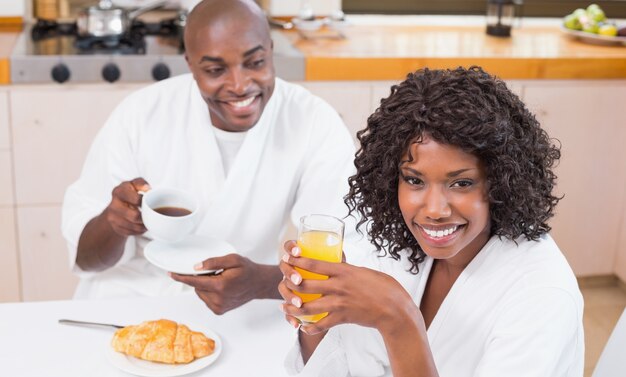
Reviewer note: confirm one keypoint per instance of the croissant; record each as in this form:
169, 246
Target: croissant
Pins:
163, 341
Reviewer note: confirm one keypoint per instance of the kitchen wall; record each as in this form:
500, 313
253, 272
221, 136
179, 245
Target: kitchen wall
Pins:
291, 7
13, 8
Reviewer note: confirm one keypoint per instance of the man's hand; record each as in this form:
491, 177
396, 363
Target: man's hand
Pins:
123, 213
241, 281
101, 243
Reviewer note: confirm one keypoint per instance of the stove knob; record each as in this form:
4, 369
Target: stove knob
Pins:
60, 73
111, 72
160, 71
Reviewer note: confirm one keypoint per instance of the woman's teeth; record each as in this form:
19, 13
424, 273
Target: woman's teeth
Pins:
243, 103
440, 233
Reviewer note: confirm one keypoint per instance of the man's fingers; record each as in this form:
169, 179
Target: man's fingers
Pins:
130, 214
220, 263
128, 229
127, 193
140, 185
203, 282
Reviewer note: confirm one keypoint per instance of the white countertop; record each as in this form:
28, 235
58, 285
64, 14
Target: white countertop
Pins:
32, 343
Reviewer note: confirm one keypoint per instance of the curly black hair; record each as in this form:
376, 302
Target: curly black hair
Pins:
465, 108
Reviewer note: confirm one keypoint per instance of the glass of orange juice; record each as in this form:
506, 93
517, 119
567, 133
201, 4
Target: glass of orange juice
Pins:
319, 237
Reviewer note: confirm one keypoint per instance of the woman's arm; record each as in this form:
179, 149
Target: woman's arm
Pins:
359, 296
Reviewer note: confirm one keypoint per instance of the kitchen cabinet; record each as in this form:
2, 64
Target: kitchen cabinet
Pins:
52, 129
620, 258
9, 267
350, 99
588, 119
43, 254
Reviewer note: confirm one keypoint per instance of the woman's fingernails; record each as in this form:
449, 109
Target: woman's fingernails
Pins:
295, 324
285, 258
295, 251
296, 301
281, 308
296, 279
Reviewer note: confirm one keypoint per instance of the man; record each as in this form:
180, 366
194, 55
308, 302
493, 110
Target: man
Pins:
257, 152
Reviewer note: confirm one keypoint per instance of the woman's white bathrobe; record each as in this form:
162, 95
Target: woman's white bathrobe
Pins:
515, 311
294, 161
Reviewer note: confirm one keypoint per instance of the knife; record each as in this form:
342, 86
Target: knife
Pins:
87, 324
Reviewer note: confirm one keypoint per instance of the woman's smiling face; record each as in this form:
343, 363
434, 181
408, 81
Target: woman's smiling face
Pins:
442, 194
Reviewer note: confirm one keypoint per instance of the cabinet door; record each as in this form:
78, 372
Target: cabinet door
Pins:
6, 170
588, 119
350, 99
620, 258
53, 127
4, 120
9, 267
43, 252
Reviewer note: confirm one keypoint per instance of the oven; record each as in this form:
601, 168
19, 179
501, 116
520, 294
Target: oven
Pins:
51, 51
56, 52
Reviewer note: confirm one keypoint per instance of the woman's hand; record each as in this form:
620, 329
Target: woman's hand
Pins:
350, 295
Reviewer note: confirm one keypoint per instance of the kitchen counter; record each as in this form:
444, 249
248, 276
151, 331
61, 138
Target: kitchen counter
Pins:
387, 47
7, 42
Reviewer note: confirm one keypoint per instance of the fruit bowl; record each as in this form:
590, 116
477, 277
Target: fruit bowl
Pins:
595, 39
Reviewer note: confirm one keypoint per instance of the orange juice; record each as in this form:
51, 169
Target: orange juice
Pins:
321, 245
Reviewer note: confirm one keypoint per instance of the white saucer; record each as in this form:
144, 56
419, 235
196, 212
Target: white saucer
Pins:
181, 256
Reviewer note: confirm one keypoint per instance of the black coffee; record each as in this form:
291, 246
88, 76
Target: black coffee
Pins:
173, 211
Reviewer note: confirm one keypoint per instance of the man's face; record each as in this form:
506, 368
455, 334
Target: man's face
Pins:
233, 66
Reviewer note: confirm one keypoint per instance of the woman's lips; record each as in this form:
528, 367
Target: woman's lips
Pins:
440, 235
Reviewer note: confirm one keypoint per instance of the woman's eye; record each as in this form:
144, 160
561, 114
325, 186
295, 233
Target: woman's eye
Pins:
412, 180
463, 183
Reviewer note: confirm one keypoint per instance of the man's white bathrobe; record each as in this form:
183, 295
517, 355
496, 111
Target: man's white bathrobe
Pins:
294, 161
515, 311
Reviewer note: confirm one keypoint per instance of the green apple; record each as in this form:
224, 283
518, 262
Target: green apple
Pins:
591, 27
571, 22
609, 30
596, 13
580, 13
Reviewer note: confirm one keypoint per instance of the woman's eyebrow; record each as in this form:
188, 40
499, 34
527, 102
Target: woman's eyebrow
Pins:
449, 174
458, 172
410, 170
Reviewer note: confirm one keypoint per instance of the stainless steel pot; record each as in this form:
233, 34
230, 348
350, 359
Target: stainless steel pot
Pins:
107, 20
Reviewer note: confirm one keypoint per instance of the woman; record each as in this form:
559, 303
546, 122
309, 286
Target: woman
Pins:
454, 183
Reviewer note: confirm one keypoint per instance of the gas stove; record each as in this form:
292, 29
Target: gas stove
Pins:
52, 51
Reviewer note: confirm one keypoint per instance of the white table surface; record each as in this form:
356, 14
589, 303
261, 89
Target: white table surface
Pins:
33, 343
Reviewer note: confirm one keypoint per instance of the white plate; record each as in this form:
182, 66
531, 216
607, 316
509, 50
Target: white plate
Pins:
181, 256
595, 38
138, 367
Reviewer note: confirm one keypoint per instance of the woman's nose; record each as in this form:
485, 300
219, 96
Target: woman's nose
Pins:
436, 204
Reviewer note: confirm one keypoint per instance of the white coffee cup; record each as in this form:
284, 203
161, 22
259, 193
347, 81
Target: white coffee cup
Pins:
169, 214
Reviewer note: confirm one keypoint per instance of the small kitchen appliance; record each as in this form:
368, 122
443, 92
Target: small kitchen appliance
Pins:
500, 15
